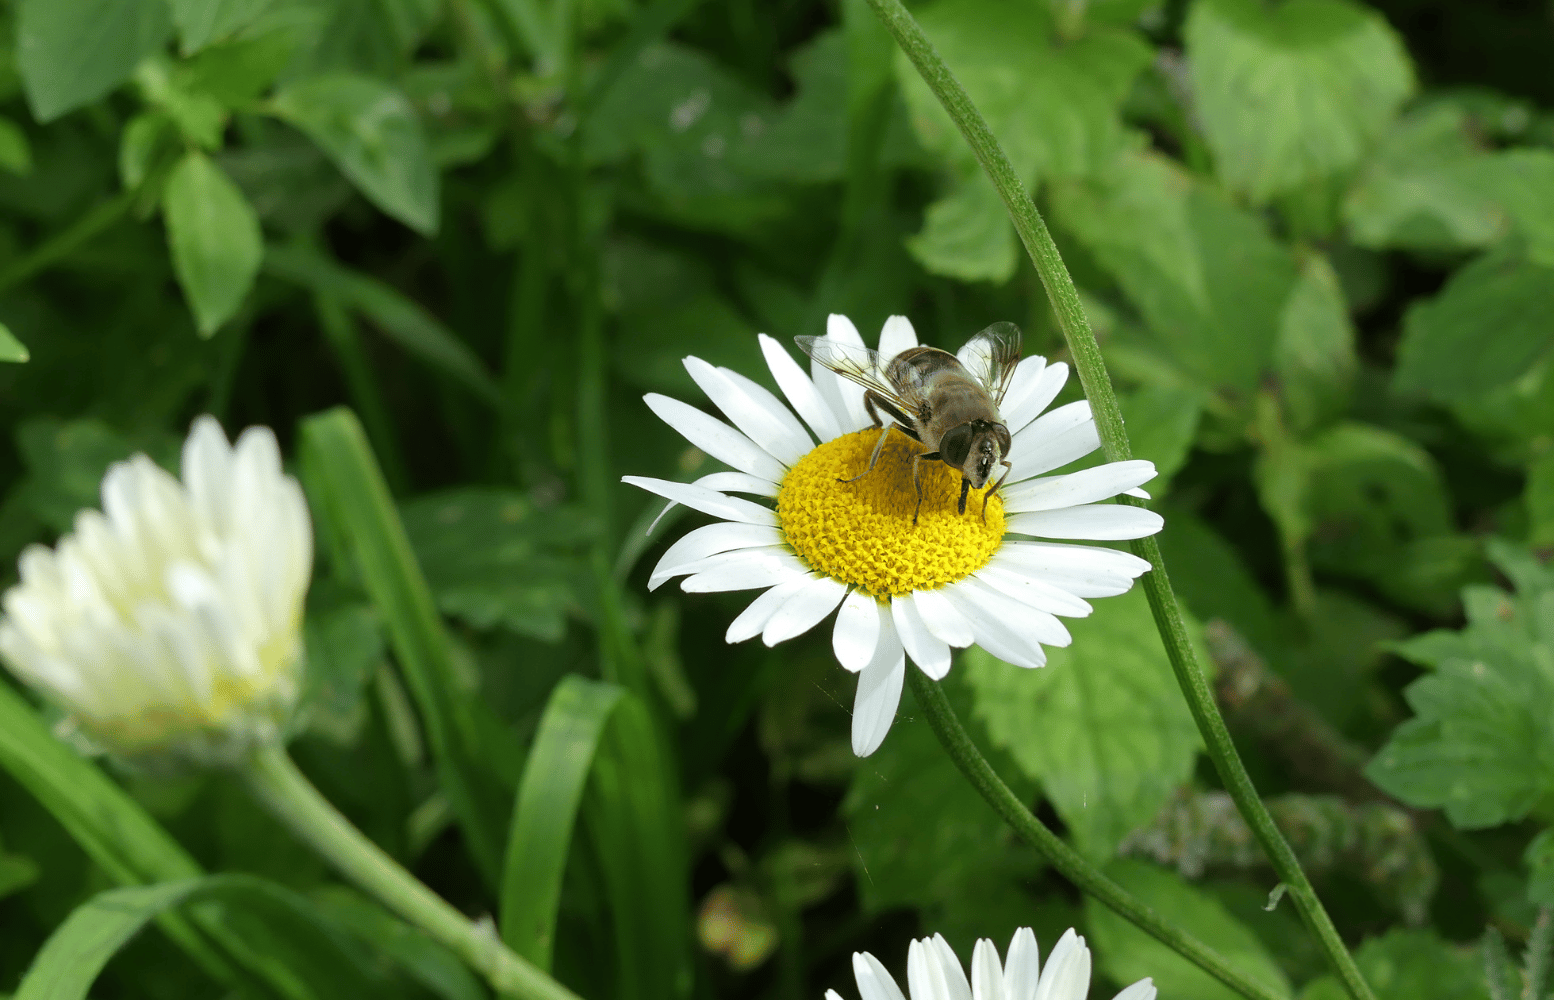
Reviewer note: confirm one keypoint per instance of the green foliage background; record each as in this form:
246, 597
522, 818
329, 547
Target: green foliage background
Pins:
1316, 242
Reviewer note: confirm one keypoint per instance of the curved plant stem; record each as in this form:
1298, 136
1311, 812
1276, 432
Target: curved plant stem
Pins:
1113, 434
278, 784
967, 757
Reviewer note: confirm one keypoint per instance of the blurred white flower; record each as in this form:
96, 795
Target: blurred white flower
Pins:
906, 580
169, 626
935, 974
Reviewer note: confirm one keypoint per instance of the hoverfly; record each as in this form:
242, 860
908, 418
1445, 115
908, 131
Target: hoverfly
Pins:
948, 403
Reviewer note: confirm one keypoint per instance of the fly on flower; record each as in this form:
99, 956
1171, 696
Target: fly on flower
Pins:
949, 403
893, 553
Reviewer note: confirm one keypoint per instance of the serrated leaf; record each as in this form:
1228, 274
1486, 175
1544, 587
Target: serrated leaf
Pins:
1410, 963
1314, 355
1207, 277
1486, 327
1102, 728
71, 52
1052, 106
1127, 954
967, 234
1292, 92
214, 239
1480, 744
373, 135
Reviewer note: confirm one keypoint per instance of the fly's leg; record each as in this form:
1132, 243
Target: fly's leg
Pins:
964, 494
869, 398
915, 477
1008, 467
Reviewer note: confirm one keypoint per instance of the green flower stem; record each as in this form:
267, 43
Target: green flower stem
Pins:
1113, 434
967, 757
278, 784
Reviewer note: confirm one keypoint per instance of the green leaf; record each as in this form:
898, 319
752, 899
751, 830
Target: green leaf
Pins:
1102, 727
71, 52
349, 494
11, 349
1127, 954
967, 234
201, 22
1052, 106
66, 462
1292, 92
398, 317
372, 133
1481, 743
1206, 277
1314, 355
1523, 183
1486, 327
806, 142
543, 822
343, 645
424, 960
1539, 859
963, 872
140, 143
1162, 423
214, 238
1410, 963
15, 150
492, 558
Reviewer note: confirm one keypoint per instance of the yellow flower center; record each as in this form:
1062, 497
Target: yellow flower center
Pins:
861, 533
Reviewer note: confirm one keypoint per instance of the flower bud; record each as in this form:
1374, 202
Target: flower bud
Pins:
169, 626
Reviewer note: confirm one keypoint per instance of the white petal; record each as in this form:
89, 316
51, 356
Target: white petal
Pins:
1041, 626
856, 630
953, 973
1064, 435
707, 500
724, 442
872, 980
924, 649
897, 337
1097, 521
699, 543
723, 482
806, 608
1084, 570
924, 973
1033, 592
843, 394
1021, 974
744, 569
1084, 486
753, 410
756, 615
799, 390
993, 634
1035, 386
1143, 989
986, 972
205, 466
831, 995
942, 619
877, 692
1060, 979
1135, 491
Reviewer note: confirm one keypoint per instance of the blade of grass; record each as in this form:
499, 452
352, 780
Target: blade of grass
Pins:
398, 317
1095, 379
345, 484
545, 809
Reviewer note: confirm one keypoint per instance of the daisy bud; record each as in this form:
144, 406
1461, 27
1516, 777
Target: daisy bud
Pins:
169, 626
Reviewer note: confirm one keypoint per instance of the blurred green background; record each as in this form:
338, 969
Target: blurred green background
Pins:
1316, 242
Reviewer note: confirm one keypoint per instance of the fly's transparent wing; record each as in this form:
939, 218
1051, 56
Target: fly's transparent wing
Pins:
991, 355
862, 365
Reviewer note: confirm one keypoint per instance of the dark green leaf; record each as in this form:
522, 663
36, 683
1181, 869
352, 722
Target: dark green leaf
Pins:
214, 239
343, 645
15, 150
1487, 326
1404, 964
423, 959
372, 133
1127, 954
1314, 355
1102, 728
1292, 92
66, 462
71, 52
1162, 422
201, 22
967, 234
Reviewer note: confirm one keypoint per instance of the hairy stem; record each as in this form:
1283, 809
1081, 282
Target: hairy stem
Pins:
968, 758
1113, 434
278, 784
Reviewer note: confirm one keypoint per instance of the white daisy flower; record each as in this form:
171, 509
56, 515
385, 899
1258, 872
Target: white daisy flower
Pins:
169, 626
935, 974
902, 584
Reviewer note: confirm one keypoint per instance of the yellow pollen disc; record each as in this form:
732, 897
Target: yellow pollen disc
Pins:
860, 533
